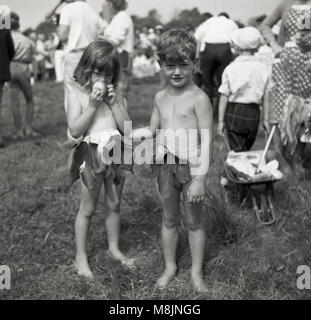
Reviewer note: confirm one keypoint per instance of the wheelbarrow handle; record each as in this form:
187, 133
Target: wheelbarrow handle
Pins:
263, 156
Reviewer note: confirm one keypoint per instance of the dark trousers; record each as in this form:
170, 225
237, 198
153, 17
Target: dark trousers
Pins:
214, 59
242, 122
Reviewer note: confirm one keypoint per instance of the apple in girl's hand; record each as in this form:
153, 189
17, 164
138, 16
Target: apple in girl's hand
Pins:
100, 86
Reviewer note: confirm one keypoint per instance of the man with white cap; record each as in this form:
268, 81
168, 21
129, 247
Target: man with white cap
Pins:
244, 83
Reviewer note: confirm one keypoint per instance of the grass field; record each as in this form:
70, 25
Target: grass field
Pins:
244, 260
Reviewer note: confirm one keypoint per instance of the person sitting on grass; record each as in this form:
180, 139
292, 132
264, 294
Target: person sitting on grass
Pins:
181, 107
95, 112
244, 83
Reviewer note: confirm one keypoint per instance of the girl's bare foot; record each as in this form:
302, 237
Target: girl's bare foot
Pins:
198, 283
83, 269
167, 277
119, 256
31, 133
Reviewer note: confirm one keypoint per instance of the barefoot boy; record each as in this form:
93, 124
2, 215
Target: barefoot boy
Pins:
181, 107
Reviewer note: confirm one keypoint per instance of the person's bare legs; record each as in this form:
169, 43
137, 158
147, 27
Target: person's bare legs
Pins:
196, 237
15, 107
113, 221
171, 211
1, 91
87, 208
27, 90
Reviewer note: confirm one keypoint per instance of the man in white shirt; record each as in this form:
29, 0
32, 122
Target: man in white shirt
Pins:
120, 32
213, 37
79, 26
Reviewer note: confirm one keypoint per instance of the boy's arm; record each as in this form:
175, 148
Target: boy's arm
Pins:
225, 92
204, 113
223, 102
149, 132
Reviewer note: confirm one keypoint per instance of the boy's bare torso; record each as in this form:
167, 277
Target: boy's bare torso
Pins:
177, 112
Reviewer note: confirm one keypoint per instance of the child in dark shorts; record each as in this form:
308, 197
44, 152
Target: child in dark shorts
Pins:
244, 83
182, 112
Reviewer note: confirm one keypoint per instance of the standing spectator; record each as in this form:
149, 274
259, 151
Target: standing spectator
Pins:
143, 39
79, 26
6, 55
20, 80
34, 66
50, 46
40, 56
120, 32
159, 31
291, 72
152, 37
213, 36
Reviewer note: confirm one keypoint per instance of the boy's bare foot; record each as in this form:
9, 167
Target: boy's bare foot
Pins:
119, 256
198, 283
167, 277
83, 269
19, 135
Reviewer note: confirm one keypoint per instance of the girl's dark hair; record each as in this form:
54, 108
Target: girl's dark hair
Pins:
100, 55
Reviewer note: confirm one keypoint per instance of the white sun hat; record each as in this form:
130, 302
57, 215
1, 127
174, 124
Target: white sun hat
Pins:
4, 11
248, 38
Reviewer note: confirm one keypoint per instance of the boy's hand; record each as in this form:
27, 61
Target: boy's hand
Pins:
221, 128
196, 191
111, 97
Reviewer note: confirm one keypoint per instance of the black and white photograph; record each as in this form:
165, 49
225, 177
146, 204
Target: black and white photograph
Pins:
155, 150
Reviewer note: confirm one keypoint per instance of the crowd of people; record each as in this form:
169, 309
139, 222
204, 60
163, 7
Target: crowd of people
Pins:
239, 73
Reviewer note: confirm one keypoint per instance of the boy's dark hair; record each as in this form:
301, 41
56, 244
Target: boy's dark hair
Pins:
177, 44
224, 14
100, 55
118, 5
14, 21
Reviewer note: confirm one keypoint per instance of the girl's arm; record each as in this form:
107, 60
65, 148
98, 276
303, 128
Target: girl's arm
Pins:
79, 119
119, 110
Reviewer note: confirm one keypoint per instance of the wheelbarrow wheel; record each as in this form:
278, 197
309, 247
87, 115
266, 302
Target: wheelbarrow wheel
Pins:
266, 217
